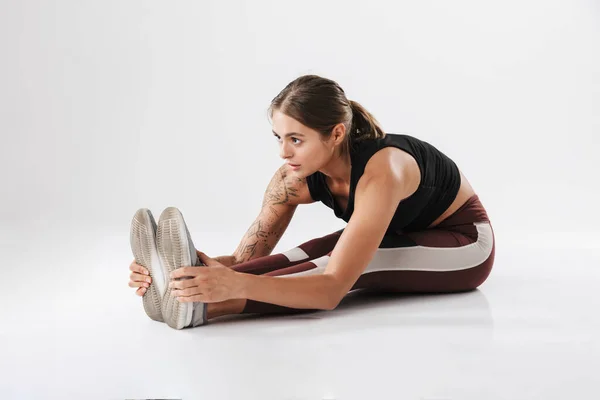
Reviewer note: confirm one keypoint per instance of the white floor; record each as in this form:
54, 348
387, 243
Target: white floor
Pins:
72, 329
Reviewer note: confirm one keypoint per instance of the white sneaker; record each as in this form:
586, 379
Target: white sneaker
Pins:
176, 250
143, 245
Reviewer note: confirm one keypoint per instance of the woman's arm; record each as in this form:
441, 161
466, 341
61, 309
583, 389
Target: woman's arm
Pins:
281, 198
383, 185
376, 201
381, 188
314, 292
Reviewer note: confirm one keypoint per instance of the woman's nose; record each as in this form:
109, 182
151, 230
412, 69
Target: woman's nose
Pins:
283, 151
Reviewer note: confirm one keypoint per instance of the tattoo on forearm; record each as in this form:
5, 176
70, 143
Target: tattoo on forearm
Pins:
277, 193
274, 211
258, 240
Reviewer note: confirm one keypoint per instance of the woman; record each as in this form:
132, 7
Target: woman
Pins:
414, 223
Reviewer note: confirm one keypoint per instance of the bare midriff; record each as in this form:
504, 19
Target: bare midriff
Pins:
465, 192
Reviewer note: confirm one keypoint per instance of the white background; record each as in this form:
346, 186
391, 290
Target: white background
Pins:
110, 106
114, 105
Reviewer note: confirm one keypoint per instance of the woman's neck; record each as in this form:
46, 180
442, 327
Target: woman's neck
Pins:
338, 169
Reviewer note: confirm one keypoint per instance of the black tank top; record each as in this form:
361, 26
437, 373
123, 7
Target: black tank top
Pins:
440, 182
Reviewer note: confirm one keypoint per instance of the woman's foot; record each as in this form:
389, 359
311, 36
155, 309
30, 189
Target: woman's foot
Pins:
142, 238
176, 250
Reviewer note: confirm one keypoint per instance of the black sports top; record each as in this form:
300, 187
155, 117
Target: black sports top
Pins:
440, 181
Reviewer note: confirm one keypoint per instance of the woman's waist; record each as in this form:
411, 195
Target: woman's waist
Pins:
472, 211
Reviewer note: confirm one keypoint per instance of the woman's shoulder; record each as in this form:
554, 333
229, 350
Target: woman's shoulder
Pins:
390, 151
388, 157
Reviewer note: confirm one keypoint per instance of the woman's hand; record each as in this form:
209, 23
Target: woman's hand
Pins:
139, 278
209, 284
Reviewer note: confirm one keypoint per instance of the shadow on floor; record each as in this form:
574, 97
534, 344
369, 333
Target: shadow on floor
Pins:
368, 308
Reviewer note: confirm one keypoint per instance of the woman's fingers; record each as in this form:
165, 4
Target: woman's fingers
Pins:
135, 277
186, 272
139, 278
189, 291
184, 283
134, 267
133, 283
199, 297
208, 261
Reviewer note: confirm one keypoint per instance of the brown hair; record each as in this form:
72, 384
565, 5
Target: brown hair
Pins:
321, 104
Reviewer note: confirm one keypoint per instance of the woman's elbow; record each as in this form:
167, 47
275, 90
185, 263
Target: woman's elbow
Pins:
332, 306
329, 305
333, 296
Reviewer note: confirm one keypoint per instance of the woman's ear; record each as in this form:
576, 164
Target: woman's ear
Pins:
338, 133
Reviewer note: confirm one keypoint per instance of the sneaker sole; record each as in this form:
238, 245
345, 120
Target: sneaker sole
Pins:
175, 251
143, 245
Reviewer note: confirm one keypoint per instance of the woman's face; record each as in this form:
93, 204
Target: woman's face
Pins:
300, 146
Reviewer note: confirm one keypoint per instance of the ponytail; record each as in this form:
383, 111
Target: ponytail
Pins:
364, 125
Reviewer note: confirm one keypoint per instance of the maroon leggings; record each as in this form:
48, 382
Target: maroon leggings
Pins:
457, 255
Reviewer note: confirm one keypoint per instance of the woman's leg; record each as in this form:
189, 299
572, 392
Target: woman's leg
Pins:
455, 256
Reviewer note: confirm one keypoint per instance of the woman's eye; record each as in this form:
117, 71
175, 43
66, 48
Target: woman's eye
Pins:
294, 140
